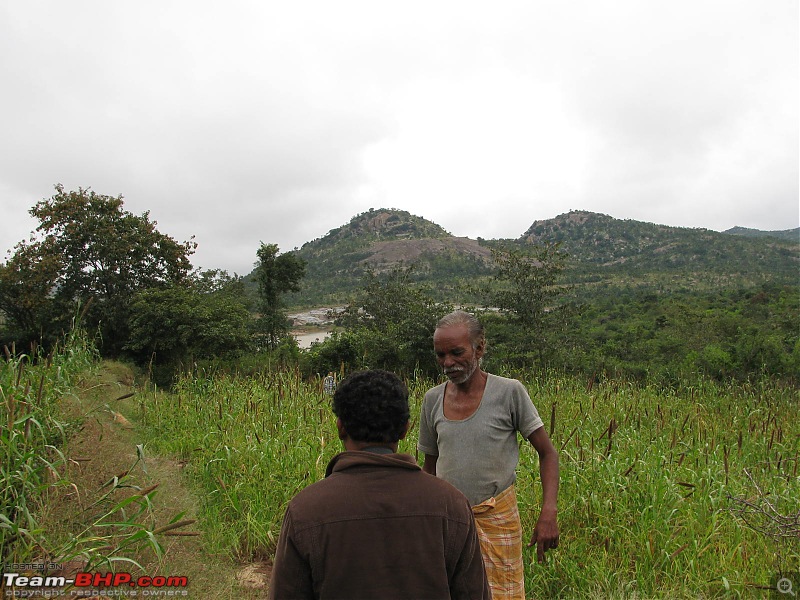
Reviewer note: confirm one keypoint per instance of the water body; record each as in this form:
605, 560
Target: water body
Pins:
305, 339
316, 325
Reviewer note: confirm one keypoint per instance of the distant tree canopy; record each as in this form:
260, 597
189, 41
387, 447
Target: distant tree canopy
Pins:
526, 290
388, 324
135, 287
125, 280
276, 274
87, 255
175, 326
535, 324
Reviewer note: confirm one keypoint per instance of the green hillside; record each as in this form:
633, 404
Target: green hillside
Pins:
790, 235
603, 251
381, 240
645, 255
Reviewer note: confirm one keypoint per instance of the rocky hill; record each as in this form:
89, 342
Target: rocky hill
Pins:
381, 240
602, 244
601, 249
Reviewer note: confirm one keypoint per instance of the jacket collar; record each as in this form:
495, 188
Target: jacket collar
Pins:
348, 460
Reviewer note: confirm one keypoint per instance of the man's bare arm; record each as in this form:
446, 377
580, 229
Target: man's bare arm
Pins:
545, 533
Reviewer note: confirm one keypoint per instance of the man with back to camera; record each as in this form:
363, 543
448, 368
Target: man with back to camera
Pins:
377, 526
468, 433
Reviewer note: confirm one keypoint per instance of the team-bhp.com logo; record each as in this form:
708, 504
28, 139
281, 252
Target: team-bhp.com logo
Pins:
17, 585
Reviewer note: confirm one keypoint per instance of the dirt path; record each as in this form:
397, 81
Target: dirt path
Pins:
105, 446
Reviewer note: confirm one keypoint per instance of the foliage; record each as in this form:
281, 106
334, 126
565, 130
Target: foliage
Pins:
526, 291
390, 323
743, 334
87, 251
341, 352
637, 333
26, 286
30, 436
276, 275
180, 324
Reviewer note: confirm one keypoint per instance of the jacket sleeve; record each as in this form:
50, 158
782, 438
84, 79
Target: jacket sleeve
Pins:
291, 573
469, 580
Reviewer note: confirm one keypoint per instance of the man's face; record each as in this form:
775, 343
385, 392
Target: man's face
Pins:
455, 354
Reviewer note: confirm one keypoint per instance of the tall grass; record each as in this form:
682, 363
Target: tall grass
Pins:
652, 484
98, 527
663, 493
30, 387
251, 443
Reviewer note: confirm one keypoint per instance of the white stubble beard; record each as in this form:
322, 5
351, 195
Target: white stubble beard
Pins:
466, 374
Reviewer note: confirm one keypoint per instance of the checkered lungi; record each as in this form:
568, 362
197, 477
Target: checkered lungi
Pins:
500, 536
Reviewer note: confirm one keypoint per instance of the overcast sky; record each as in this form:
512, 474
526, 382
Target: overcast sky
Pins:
246, 121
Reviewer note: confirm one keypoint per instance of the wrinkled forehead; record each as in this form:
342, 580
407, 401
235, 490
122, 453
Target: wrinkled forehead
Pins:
451, 336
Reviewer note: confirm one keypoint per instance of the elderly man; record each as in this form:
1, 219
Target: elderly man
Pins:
468, 433
377, 526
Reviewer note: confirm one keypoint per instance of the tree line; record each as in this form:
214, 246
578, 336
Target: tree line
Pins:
93, 262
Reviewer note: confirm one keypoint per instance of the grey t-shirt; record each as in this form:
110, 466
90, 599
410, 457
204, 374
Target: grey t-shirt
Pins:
479, 454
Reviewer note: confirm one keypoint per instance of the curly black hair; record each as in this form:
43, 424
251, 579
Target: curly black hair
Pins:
373, 406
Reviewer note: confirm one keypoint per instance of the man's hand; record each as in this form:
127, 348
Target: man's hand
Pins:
545, 534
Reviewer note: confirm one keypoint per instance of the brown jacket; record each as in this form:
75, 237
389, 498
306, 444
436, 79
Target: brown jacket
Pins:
378, 527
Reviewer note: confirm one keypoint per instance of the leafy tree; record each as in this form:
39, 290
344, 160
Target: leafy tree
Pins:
713, 361
526, 291
394, 320
276, 275
26, 286
180, 324
87, 251
343, 350
212, 281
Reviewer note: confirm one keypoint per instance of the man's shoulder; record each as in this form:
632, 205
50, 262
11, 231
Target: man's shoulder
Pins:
441, 494
505, 382
438, 387
436, 391
511, 391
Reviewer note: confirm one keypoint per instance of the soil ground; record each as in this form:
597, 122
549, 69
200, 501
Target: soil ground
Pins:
104, 446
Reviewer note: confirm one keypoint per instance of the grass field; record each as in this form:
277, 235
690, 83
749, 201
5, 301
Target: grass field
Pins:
689, 492
683, 493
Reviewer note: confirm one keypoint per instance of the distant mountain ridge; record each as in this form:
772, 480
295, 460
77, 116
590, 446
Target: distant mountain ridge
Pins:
792, 235
600, 248
598, 240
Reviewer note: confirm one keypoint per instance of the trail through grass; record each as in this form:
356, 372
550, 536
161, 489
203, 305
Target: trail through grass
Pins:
81, 492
